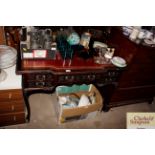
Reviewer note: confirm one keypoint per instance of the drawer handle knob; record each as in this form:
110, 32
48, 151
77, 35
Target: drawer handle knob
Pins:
12, 108
14, 118
10, 95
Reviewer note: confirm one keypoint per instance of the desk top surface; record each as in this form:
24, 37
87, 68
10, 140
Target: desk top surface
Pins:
75, 64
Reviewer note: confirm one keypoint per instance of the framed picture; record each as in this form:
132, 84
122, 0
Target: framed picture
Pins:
39, 53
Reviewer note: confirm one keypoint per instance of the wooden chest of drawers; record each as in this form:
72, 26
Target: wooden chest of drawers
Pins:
11, 107
137, 83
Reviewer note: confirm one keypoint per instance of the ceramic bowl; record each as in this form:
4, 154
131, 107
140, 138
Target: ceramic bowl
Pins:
118, 61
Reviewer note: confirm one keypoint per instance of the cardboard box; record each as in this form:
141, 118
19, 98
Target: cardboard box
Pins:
77, 112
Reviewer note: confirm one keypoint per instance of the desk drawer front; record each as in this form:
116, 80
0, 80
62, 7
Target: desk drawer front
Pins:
38, 84
11, 119
8, 107
10, 95
133, 93
42, 77
38, 80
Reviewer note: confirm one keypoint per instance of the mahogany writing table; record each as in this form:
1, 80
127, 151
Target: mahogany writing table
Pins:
45, 75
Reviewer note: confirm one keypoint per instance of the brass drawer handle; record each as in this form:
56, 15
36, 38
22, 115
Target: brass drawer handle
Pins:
40, 84
40, 77
12, 108
10, 95
14, 118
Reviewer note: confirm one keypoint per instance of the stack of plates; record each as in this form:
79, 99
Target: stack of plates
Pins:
118, 61
8, 56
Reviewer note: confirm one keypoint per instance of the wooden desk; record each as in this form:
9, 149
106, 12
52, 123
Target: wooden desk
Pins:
46, 75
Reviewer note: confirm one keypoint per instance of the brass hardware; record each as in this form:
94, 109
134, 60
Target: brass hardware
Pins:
10, 95
14, 118
12, 108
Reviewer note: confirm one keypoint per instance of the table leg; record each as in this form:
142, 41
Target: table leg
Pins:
26, 95
106, 92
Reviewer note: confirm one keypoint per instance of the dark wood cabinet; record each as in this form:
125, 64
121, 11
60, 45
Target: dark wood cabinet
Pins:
137, 82
11, 107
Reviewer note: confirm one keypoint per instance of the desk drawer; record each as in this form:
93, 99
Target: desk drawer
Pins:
11, 119
40, 77
133, 93
9, 95
8, 107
